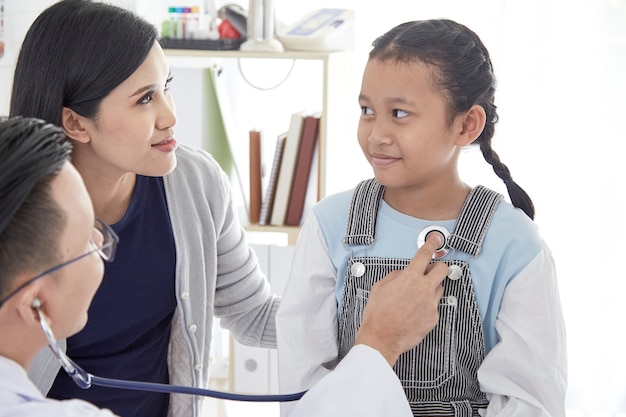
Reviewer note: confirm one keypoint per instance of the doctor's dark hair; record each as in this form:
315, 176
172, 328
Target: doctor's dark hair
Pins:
73, 55
463, 72
32, 152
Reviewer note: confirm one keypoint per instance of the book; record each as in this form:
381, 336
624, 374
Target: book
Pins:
287, 169
313, 194
300, 183
270, 191
256, 176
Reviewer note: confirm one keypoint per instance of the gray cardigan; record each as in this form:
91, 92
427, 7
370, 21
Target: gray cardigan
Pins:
216, 274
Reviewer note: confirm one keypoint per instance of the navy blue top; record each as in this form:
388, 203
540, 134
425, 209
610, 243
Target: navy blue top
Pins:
128, 331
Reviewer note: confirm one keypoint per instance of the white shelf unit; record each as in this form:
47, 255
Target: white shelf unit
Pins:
336, 75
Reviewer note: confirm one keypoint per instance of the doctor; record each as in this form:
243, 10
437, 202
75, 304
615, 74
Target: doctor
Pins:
51, 252
46, 219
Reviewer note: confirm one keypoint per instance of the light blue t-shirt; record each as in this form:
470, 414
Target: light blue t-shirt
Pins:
511, 242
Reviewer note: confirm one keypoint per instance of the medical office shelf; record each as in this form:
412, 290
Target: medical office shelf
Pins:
336, 76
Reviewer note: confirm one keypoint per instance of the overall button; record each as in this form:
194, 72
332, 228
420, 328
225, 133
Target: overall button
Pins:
192, 328
455, 272
357, 269
452, 300
184, 295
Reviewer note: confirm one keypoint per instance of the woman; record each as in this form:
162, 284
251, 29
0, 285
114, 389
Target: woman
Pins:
98, 71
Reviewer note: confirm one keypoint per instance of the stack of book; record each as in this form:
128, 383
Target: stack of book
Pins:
292, 186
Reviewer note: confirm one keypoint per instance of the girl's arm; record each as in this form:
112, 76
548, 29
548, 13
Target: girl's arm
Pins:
306, 322
525, 374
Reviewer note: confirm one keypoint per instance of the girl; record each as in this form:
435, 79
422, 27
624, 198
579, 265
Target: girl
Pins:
499, 347
98, 71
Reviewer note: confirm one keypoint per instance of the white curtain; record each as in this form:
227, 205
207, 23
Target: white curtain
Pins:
561, 67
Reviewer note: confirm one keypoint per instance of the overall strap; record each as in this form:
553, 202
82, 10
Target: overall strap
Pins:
469, 231
474, 220
361, 224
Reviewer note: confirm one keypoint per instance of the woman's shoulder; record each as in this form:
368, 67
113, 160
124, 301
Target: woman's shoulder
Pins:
197, 170
198, 166
190, 158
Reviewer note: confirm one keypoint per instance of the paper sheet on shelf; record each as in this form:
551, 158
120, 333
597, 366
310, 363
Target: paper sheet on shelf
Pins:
223, 136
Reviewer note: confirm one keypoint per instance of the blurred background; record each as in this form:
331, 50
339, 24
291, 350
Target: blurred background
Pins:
562, 103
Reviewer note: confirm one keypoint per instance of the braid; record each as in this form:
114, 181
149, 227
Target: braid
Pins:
519, 197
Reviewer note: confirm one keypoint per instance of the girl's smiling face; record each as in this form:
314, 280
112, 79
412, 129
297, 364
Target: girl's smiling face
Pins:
404, 129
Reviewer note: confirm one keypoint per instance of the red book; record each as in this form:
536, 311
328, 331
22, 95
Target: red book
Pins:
304, 163
256, 174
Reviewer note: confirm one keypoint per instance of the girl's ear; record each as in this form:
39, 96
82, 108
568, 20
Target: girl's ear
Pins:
473, 123
73, 125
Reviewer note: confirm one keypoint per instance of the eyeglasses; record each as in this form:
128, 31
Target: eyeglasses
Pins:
106, 250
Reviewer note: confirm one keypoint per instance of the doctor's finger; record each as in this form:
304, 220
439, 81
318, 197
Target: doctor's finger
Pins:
422, 258
437, 272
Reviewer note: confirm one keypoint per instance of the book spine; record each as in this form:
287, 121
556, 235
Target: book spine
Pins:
256, 174
287, 169
268, 199
302, 171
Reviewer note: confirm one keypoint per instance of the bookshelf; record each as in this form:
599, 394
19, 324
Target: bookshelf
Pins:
336, 75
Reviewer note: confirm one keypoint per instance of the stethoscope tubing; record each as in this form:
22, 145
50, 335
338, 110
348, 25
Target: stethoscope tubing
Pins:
85, 380
177, 389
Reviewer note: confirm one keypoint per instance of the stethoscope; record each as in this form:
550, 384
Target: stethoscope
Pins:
357, 269
454, 271
444, 248
85, 380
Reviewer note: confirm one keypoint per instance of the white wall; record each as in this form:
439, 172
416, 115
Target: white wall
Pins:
18, 16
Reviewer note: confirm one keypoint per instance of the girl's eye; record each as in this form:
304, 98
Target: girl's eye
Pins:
167, 83
366, 111
399, 113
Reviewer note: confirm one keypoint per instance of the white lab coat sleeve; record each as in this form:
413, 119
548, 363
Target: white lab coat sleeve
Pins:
525, 374
363, 384
306, 322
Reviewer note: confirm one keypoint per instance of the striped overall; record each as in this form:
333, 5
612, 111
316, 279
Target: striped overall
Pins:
439, 376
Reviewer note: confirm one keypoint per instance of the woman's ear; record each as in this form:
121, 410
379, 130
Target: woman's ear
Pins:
473, 123
73, 125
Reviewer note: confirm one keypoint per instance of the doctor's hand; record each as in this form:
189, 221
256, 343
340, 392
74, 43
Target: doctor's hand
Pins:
403, 307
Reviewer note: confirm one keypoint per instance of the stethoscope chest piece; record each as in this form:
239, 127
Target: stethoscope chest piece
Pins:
443, 249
